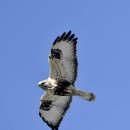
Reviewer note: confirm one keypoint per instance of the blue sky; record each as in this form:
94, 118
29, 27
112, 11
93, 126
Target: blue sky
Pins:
27, 31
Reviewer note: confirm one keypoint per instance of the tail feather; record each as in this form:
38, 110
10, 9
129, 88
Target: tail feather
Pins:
54, 128
85, 95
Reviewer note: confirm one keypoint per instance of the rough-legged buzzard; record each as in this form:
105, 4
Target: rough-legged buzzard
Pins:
60, 86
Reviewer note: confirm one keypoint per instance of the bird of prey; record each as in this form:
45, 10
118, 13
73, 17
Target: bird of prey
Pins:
60, 85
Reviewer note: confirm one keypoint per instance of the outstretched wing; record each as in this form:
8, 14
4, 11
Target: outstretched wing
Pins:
63, 59
53, 108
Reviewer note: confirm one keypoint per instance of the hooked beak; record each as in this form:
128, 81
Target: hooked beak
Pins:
40, 84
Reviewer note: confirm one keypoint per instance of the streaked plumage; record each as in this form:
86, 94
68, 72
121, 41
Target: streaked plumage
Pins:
59, 86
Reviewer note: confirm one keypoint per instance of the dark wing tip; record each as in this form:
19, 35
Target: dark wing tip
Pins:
66, 36
71, 37
55, 40
75, 40
61, 37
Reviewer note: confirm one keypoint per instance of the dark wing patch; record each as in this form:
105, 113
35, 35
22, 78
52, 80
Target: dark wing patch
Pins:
56, 53
46, 105
63, 58
59, 106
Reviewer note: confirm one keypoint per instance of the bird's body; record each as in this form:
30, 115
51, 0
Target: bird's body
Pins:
60, 86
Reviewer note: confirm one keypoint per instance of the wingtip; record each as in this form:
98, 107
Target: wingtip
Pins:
70, 31
75, 40
55, 40
66, 36
62, 36
71, 37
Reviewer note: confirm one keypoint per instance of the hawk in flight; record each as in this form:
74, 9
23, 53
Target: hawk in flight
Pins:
60, 86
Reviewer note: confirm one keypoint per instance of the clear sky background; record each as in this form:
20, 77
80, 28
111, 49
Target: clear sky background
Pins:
27, 31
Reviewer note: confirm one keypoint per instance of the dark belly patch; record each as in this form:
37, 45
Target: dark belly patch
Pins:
63, 83
62, 87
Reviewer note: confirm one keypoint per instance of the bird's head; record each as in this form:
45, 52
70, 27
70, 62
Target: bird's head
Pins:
43, 84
